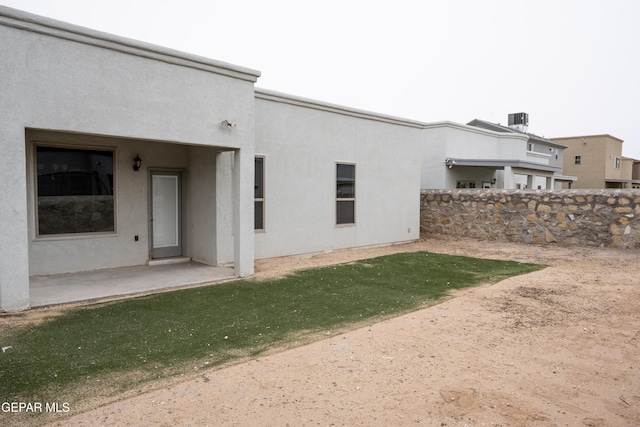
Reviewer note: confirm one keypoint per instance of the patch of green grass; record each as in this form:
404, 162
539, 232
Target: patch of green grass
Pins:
148, 337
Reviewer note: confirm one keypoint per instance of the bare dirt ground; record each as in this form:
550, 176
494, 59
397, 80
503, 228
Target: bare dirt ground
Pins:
558, 347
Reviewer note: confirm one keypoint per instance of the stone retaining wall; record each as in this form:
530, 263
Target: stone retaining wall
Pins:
603, 218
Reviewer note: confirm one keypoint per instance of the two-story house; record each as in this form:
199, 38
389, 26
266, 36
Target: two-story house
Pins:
597, 161
481, 154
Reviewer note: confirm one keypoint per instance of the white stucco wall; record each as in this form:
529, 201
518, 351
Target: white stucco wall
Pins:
202, 203
64, 254
301, 141
78, 86
56, 76
442, 140
14, 255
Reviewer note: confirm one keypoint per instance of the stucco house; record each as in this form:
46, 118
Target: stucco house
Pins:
119, 153
597, 161
485, 155
541, 167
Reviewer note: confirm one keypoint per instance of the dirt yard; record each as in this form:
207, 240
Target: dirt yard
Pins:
558, 347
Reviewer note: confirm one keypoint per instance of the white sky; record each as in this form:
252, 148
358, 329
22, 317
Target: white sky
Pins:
573, 65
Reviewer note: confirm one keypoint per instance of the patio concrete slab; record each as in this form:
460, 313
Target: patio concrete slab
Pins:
84, 286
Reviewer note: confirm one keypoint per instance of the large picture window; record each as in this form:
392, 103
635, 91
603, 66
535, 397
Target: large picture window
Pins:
259, 194
74, 191
345, 193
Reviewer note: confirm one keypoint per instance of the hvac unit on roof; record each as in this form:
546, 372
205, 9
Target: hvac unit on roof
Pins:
519, 122
519, 119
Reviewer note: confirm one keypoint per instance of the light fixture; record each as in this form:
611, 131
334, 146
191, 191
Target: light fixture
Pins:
136, 163
228, 124
493, 181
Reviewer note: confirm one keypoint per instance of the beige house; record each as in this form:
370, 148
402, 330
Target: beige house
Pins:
597, 162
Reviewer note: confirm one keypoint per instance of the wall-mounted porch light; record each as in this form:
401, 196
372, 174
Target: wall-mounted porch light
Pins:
136, 163
228, 124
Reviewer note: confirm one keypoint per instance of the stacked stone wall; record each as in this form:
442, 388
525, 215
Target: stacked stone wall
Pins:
601, 218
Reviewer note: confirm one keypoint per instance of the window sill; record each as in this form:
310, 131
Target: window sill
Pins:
345, 225
78, 236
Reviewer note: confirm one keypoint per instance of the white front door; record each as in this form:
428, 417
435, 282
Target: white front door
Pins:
166, 214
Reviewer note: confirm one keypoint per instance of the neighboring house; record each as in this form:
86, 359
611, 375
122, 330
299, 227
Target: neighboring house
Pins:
597, 162
461, 156
627, 169
119, 153
485, 155
539, 151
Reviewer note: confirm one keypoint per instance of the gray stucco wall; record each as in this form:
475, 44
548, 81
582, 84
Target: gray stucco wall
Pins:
603, 218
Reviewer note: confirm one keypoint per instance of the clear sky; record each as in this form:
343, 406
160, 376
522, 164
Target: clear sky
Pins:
573, 65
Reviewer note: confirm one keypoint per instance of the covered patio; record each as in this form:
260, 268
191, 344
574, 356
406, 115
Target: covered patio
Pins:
105, 168
501, 173
66, 288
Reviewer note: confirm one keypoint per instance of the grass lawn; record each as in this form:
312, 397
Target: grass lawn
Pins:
120, 345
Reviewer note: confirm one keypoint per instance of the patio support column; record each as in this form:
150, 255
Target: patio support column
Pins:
509, 183
531, 182
14, 250
243, 195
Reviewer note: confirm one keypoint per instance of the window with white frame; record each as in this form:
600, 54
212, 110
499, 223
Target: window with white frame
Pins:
345, 193
577, 160
616, 162
259, 194
74, 190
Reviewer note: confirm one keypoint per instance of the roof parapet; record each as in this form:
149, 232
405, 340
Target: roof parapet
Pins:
21, 20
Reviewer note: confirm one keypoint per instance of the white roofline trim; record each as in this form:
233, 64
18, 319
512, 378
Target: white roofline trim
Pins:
506, 129
500, 163
600, 135
18, 19
474, 129
270, 95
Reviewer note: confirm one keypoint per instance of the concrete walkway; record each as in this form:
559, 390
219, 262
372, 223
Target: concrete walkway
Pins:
74, 287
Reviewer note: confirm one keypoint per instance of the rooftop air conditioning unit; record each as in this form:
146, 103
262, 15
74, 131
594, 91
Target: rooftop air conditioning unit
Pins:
519, 122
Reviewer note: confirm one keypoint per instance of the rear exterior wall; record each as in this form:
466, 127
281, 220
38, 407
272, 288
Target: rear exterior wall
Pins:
301, 144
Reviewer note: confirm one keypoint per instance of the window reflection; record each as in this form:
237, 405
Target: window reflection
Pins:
75, 191
345, 193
